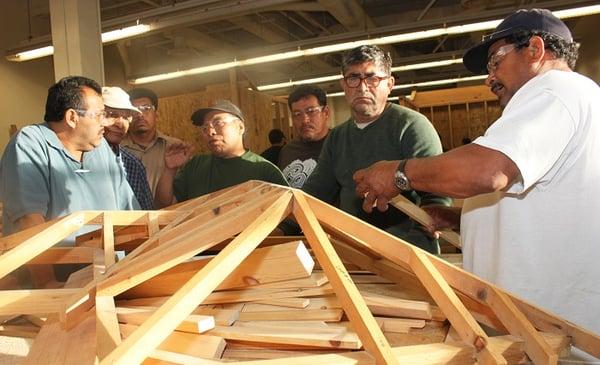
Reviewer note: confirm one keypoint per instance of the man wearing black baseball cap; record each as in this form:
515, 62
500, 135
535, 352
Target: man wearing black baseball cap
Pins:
534, 231
229, 163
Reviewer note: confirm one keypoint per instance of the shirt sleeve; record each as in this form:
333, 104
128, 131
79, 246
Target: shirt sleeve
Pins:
25, 176
534, 134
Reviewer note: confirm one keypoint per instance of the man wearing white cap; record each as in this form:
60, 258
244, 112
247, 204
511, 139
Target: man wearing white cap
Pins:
121, 112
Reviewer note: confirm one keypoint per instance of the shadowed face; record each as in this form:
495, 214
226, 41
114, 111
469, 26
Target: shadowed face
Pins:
310, 119
223, 134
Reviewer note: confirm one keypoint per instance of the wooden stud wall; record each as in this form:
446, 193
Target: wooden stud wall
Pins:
261, 112
458, 113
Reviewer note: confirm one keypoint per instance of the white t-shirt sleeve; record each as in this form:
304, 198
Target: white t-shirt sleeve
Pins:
533, 133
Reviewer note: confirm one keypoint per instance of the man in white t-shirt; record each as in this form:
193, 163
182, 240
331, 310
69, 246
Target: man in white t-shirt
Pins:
534, 230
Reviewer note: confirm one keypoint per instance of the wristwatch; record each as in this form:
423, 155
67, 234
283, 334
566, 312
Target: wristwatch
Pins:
400, 179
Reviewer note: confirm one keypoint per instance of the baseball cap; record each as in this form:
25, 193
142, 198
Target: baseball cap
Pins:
144, 93
117, 98
475, 59
220, 105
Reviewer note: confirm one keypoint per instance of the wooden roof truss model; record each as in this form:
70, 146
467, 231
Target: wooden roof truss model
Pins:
82, 320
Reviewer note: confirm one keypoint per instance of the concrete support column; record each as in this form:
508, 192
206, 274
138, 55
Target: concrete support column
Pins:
76, 37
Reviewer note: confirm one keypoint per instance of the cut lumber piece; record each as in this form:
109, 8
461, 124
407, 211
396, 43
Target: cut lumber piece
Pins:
369, 279
298, 303
394, 307
55, 345
516, 322
315, 280
34, 301
194, 323
460, 318
301, 335
327, 315
107, 326
422, 217
81, 277
35, 320
346, 291
400, 325
201, 234
204, 346
221, 317
19, 330
315, 303
156, 328
65, 255
39, 242
264, 265
108, 239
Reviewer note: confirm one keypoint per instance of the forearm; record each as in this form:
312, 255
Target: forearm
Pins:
463, 172
164, 189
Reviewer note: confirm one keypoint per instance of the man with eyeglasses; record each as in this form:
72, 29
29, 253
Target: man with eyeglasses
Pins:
64, 165
144, 139
534, 229
229, 163
120, 112
310, 116
377, 130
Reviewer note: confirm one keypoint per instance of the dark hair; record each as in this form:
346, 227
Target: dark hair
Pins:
363, 54
144, 93
276, 136
562, 49
304, 91
66, 94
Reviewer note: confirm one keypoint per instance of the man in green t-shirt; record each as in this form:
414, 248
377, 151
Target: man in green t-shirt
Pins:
377, 131
229, 163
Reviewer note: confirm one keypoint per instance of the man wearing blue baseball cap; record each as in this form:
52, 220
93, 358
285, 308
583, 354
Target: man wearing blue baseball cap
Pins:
533, 179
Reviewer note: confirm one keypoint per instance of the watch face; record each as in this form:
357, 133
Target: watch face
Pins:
401, 181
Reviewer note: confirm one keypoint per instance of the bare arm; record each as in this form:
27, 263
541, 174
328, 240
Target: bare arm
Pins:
463, 172
176, 155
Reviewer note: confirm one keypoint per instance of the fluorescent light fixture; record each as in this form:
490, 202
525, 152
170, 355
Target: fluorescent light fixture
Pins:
110, 36
126, 32
398, 38
317, 80
32, 54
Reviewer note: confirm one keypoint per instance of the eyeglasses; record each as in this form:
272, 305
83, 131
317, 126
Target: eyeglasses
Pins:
217, 125
100, 114
146, 108
495, 59
116, 115
308, 112
370, 80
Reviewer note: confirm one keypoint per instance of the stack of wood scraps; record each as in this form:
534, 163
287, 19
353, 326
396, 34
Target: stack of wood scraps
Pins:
256, 299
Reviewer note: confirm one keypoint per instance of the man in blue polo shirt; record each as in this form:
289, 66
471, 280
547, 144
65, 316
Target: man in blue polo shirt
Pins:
64, 165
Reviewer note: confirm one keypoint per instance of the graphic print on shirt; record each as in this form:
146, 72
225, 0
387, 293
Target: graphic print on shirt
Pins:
298, 171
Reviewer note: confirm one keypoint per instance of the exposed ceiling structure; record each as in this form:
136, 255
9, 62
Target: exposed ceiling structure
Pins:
192, 33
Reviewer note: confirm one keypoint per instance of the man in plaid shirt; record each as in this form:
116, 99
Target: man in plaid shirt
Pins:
121, 111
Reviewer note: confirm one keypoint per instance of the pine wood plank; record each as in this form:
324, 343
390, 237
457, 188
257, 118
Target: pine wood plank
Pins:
20, 330
306, 336
327, 315
354, 307
394, 307
298, 303
193, 323
108, 240
264, 265
315, 280
460, 318
400, 325
107, 326
415, 212
34, 301
39, 242
203, 346
154, 330
221, 317
65, 255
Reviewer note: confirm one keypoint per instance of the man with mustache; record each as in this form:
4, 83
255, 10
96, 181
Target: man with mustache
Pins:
310, 115
121, 112
64, 165
229, 163
534, 231
377, 130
